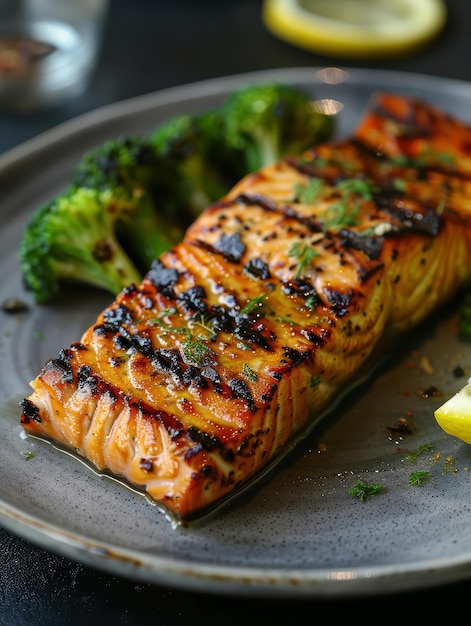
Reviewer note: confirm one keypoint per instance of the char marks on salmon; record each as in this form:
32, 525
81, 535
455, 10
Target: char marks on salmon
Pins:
242, 336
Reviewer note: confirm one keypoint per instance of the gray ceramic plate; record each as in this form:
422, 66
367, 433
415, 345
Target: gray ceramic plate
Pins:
300, 534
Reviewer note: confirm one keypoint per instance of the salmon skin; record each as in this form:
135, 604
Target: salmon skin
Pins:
240, 339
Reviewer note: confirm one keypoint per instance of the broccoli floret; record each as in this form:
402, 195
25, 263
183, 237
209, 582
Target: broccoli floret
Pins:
126, 161
265, 122
193, 182
228, 162
208, 153
130, 168
132, 198
72, 239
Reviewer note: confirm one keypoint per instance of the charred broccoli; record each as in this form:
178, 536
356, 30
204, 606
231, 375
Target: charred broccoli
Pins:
132, 198
265, 122
256, 125
130, 168
73, 239
106, 228
194, 181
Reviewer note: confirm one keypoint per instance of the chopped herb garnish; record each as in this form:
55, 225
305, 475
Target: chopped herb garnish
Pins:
345, 211
159, 319
356, 186
171, 310
418, 478
362, 490
288, 320
399, 185
206, 325
340, 214
446, 157
28, 455
314, 381
169, 328
311, 302
309, 192
405, 161
304, 254
195, 351
411, 457
248, 372
254, 303
242, 345
423, 159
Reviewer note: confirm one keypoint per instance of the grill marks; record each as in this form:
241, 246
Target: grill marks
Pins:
191, 310
392, 209
244, 333
287, 226
387, 213
394, 191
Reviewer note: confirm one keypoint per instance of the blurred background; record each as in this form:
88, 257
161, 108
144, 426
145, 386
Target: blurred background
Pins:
149, 45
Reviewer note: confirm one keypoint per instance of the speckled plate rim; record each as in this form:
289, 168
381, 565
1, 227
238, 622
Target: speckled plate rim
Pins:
219, 578
255, 582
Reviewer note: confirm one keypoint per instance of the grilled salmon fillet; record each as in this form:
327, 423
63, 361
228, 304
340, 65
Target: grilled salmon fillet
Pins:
281, 295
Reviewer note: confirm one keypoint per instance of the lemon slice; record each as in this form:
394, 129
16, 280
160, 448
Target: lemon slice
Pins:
454, 416
356, 28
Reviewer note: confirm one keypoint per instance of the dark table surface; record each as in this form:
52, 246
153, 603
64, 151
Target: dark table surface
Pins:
150, 45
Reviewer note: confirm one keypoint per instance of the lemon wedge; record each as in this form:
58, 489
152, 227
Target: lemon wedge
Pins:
356, 28
454, 416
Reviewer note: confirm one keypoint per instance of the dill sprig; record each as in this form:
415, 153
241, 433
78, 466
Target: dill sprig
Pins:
411, 457
248, 372
341, 214
309, 192
304, 255
254, 303
195, 351
206, 325
423, 159
357, 187
418, 478
363, 490
346, 211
